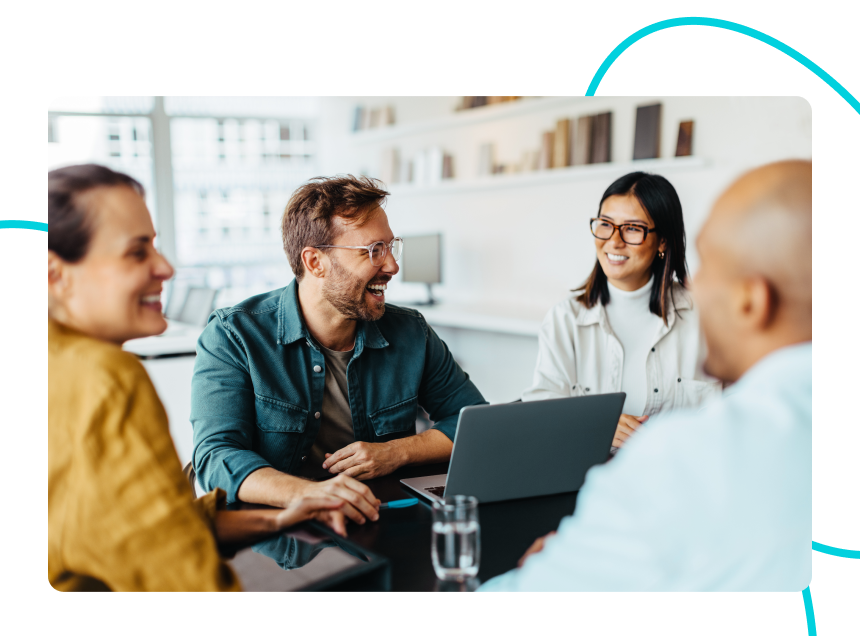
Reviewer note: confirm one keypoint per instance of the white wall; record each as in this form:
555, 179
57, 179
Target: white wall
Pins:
522, 243
528, 244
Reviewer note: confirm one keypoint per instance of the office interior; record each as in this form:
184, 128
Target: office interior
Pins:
503, 230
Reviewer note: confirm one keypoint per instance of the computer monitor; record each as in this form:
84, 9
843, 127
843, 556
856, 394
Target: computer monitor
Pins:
198, 304
422, 262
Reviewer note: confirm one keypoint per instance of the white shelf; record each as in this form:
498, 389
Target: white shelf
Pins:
468, 117
544, 177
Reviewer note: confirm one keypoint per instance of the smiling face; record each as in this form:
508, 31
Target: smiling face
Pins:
114, 292
627, 267
354, 286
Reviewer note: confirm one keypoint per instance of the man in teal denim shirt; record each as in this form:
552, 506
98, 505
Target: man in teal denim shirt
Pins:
263, 386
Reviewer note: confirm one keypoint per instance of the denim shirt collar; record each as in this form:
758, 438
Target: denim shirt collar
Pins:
291, 324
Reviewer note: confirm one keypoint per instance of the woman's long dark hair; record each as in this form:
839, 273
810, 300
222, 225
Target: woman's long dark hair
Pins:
660, 200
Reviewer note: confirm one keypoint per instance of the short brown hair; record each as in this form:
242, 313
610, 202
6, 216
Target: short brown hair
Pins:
309, 216
70, 224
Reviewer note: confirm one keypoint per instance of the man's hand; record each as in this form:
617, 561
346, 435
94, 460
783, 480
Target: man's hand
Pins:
627, 425
364, 460
359, 504
536, 547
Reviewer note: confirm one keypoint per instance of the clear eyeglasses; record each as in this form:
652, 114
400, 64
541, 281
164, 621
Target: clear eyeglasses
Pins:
631, 233
377, 251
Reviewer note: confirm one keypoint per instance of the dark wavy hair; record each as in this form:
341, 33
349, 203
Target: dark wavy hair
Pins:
70, 225
660, 200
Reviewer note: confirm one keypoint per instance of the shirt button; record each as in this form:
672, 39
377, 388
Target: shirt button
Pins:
317, 368
587, 389
652, 349
655, 390
679, 379
317, 415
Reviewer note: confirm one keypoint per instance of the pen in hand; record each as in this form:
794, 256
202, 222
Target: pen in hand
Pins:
399, 503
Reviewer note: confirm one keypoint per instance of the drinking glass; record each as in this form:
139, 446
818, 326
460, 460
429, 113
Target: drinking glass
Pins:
456, 548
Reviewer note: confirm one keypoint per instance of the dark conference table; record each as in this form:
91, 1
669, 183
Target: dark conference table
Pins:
402, 538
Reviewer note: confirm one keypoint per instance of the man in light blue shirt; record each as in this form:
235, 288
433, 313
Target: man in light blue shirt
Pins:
719, 499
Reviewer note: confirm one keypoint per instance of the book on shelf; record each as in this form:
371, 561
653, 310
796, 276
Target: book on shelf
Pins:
561, 144
486, 159
477, 102
646, 142
447, 166
388, 116
601, 138
435, 165
547, 149
389, 170
375, 117
419, 168
571, 139
582, 141
685, 139
358, 119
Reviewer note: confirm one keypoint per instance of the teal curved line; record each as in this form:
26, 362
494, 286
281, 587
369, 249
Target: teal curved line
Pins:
24, 225
826, 549
810, 614
720, 24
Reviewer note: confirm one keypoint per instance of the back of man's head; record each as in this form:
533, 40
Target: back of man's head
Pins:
754, 284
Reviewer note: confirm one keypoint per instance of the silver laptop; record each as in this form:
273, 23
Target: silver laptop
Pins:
526, 449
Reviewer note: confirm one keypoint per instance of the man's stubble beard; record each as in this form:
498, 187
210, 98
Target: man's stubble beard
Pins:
345, 293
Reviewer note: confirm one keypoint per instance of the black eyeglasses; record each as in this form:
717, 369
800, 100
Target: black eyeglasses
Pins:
630, 233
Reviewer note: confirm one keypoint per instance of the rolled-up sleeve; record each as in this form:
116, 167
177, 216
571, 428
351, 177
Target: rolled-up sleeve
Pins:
134, 524
223, 414
445, 387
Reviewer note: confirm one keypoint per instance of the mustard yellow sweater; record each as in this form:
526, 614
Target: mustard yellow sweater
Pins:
121, 514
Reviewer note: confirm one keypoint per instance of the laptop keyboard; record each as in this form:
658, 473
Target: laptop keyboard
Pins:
439, 491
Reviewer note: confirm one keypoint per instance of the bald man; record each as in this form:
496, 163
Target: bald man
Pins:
719, 499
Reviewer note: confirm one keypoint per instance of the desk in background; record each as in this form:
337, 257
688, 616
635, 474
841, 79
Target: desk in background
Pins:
496, 344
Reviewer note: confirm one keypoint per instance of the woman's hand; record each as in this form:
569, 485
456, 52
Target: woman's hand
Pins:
627, 425
536, 547
323, 508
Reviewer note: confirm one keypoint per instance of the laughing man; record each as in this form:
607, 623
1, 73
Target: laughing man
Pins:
323, 374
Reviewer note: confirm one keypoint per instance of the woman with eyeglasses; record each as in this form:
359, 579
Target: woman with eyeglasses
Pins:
121, 514
632, 326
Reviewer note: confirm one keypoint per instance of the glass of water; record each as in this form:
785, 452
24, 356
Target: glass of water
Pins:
456, 546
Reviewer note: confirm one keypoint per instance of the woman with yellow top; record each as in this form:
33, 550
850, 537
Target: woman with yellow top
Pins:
121, 514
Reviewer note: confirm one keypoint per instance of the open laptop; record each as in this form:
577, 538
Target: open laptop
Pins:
526, 449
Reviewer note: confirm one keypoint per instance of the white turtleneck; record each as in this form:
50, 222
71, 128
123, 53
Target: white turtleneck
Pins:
635, 326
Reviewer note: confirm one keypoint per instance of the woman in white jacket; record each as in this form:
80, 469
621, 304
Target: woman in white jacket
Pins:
632, 326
